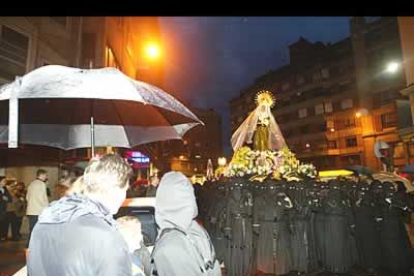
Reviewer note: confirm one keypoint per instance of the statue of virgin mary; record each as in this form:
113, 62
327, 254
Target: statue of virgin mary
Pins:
260, 127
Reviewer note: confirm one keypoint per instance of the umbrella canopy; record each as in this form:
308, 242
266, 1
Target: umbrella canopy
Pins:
360, 170
408, 169
53, 106
391, 177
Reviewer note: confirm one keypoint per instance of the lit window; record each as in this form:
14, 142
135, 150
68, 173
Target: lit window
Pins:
328, 107
348, 103
316, 76
325, 73
303, 113
332, 144
319, 109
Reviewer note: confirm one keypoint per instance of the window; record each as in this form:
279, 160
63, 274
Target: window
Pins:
389, 120
348, 103
300, 79
285, 86
316, 76
325, 73
351, 142
336, 106
303, 113
14, 50
399, 150
332, 144
61, 20
328, 107
319, 109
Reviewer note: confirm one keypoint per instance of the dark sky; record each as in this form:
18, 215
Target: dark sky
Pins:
208, 60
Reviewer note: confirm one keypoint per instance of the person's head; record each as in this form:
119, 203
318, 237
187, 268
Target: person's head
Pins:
106, 180
20, 186
41, 175
400, 186
130, 229
2, 181
175, 202
154, 180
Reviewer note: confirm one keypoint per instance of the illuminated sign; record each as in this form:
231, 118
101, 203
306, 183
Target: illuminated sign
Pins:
137, 158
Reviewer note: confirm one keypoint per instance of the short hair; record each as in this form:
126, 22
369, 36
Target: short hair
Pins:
105, 173
40, 172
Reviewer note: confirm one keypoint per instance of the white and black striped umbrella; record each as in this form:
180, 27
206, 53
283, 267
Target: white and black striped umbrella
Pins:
70, 108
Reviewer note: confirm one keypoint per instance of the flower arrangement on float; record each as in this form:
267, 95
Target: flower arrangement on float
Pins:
259, 165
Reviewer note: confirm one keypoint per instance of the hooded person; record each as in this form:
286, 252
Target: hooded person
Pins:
183, 246
77, 234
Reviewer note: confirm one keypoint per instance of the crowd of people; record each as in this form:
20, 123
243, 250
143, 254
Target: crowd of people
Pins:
251, 227
275, 227
78, 235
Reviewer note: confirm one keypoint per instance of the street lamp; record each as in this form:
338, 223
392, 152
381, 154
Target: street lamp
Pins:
392, 67
152, 51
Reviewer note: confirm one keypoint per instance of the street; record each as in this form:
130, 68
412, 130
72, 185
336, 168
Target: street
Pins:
12, 257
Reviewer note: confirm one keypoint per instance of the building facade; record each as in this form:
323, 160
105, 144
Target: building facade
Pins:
335, 101
27, 43
406, 131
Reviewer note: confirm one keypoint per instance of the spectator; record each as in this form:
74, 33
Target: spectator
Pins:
20, 203
77, 234
130, 228
11, 217
153, 185
37, 199
183, 246
5, 198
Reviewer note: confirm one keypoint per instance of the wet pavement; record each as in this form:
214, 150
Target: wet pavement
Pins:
12, 256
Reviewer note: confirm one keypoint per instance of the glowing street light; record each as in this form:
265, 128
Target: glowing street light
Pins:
392, 67
152, 51
358, 114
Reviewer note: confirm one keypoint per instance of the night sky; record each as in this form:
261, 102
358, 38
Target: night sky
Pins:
208, 60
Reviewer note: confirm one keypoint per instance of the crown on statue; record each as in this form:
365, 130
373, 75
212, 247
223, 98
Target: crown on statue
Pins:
266, 98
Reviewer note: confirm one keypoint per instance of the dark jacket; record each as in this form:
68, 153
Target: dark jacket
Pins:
77, 236
5, 198
151, 191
